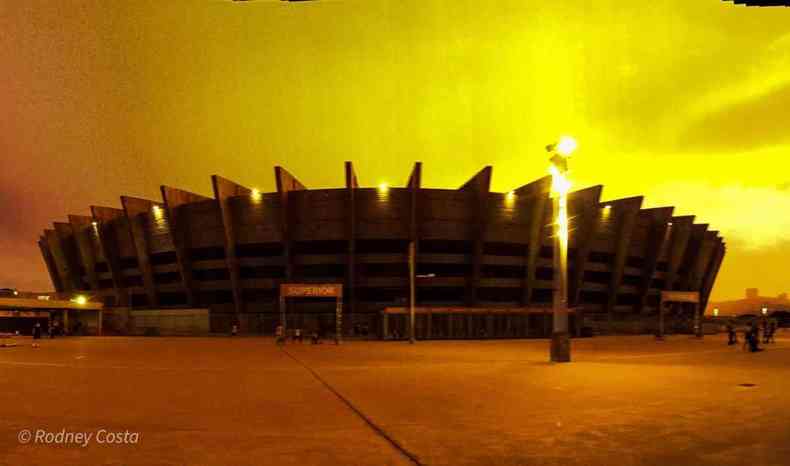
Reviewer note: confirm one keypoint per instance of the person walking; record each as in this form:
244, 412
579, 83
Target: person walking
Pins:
772, 332
766, 333
732, 336
754, 341
36, 334
234, 330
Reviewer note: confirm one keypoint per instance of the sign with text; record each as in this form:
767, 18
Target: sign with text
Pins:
308, 290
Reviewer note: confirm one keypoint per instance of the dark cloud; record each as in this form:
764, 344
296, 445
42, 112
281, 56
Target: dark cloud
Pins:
743, 126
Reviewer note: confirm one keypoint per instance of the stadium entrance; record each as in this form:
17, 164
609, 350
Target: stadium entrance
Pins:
311, 290
680, 298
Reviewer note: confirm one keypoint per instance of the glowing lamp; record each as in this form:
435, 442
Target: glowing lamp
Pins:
383, 188
255, 194
80, 300
716, 312
16, 293
765, 311
566, 146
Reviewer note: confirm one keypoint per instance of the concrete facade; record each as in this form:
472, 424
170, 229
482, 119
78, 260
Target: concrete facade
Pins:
474, 248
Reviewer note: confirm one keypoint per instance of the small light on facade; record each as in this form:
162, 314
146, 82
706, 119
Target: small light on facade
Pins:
94, 223
16, 293
80, 299
765, 311
384, 188
511, 195
716, 312
607, 207
255, 194
157, 211
669, 224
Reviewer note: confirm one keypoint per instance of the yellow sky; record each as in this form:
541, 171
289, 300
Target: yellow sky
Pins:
685, 102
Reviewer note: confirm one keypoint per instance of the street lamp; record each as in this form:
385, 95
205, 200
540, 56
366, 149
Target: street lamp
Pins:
412, 290
560, 185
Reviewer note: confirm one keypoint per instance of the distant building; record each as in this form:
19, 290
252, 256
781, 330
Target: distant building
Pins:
753, 303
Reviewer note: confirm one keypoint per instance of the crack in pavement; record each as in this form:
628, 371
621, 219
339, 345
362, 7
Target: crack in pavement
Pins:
377, 429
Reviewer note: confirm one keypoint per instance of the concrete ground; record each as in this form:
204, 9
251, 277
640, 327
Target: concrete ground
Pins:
623, 401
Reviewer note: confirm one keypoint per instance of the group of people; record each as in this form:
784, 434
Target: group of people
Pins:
751, 335
295, 335
281, 336
53, 331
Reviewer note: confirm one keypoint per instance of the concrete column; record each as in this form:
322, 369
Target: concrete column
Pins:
656, 243
534, 196
626, 211
285, 184
57, 284
282, 313
586, 219
429, 326
136, 211
479, 185
351, 234
339, 321
698, 321
224, 190
179, 231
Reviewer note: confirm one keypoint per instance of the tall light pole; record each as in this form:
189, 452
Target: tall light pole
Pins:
412, 273
560, 185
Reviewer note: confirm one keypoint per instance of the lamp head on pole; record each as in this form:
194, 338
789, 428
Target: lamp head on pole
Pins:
560, 151
566, 146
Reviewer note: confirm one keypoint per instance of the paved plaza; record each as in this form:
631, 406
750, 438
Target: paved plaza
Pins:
221, 401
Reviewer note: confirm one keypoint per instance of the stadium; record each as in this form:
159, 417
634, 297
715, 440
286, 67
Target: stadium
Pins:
484, 260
